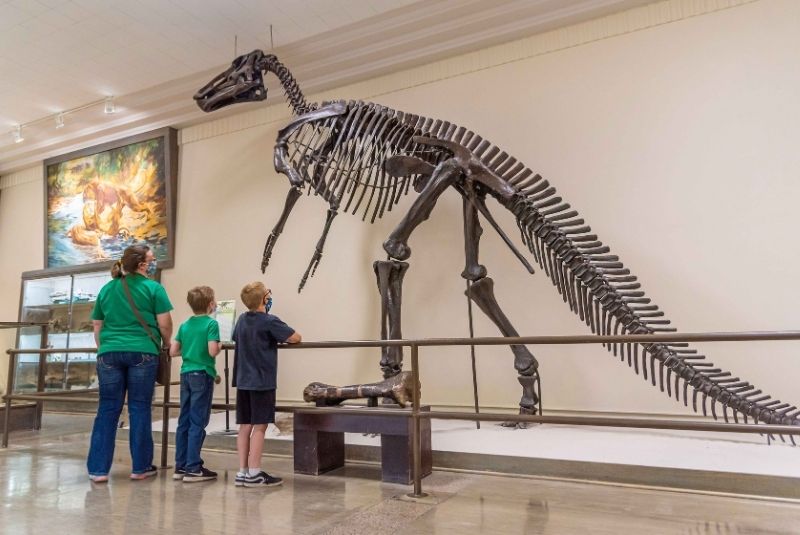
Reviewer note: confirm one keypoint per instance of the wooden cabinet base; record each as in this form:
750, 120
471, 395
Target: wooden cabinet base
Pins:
24, 416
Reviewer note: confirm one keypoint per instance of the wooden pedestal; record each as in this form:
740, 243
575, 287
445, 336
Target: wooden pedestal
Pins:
319, 442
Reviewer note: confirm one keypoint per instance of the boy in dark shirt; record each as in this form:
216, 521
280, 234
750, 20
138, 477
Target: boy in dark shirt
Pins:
255, 369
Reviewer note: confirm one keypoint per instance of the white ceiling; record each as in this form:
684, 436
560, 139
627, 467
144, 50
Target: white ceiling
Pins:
153, 54
59, 54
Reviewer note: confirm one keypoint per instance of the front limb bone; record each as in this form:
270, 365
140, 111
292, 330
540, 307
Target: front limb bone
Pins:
291, 198
317, 256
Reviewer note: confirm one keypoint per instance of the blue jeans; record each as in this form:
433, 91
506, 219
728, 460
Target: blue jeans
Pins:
197, 389
118, 373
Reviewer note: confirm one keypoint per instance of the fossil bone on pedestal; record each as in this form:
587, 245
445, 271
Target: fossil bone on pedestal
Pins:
399, 388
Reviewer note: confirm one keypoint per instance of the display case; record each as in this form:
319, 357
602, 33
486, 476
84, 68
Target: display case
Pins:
65, 300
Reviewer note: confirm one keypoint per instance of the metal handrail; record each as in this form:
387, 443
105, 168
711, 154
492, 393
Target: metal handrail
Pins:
741, 336
417, 415
18, 324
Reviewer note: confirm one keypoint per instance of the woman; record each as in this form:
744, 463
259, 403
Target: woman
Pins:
127, 360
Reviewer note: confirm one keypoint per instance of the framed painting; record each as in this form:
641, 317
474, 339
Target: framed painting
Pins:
100, 200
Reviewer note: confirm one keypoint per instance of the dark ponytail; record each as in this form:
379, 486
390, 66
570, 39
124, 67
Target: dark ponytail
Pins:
116, 270
131, 258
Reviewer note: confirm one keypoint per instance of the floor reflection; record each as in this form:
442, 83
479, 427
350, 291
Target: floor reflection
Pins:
45, 490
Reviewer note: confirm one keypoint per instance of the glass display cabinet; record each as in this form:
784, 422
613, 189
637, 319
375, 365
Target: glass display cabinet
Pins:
65, 300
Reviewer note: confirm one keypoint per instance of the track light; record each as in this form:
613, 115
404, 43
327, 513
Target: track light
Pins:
59, 118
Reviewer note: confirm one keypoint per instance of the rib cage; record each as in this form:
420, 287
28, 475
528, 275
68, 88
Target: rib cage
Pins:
342, 159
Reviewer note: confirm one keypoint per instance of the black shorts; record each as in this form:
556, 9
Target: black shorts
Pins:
255, 406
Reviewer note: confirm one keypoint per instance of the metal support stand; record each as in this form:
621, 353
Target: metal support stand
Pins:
226, 373
472, 354
43, 344
12, 359
165, 419
415, 435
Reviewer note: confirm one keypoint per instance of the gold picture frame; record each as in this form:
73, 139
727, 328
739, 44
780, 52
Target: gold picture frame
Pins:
104, 198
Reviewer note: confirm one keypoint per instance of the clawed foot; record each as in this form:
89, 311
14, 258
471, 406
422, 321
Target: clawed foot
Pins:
310, 270
268, 251
522, 425
397, 249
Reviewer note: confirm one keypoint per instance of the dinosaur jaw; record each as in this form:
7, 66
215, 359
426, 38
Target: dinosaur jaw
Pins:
241, 82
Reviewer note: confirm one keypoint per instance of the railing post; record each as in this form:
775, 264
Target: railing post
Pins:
227, 395
12, 359
43, 344
165, 418
415, 429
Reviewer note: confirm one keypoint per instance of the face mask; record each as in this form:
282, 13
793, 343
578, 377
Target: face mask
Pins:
151, 268
269, 303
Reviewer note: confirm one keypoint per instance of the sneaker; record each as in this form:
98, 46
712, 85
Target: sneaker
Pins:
179, 473
239, 481
98, 479
203, 475
150, 472
262, 479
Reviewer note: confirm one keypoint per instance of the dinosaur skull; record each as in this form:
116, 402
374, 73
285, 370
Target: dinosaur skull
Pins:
241, 82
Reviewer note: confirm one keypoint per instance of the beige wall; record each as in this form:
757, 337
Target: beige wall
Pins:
21, 247
676, 143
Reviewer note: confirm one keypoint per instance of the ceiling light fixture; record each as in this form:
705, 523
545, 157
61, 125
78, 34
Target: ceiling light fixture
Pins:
109, 107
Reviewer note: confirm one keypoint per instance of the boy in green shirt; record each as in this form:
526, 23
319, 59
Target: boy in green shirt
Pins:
198, 342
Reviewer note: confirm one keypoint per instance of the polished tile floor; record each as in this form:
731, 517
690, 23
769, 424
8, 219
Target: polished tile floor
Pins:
44, 489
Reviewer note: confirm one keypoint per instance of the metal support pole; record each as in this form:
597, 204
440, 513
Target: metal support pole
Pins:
165, 419
415, 430
227, 394
12, 359
43, 344
472, 354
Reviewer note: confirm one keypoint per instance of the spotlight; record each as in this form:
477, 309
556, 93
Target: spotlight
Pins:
109, 107
17, 133
60, 120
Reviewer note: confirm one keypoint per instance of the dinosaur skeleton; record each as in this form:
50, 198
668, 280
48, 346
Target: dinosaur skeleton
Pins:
362, 157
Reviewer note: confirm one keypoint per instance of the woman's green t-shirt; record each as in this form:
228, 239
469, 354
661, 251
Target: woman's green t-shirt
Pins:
121, 330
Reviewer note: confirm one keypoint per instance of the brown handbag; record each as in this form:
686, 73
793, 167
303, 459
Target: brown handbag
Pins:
164, 360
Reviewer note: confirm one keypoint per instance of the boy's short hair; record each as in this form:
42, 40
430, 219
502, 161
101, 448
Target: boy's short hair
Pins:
199, 298
253, 295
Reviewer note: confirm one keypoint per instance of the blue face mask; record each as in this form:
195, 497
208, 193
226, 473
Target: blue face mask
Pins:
269, 303
151, 268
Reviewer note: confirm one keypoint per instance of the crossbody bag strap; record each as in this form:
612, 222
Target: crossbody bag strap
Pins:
136, 312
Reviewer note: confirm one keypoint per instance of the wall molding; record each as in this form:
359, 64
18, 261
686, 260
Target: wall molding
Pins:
607, 27
24, 176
